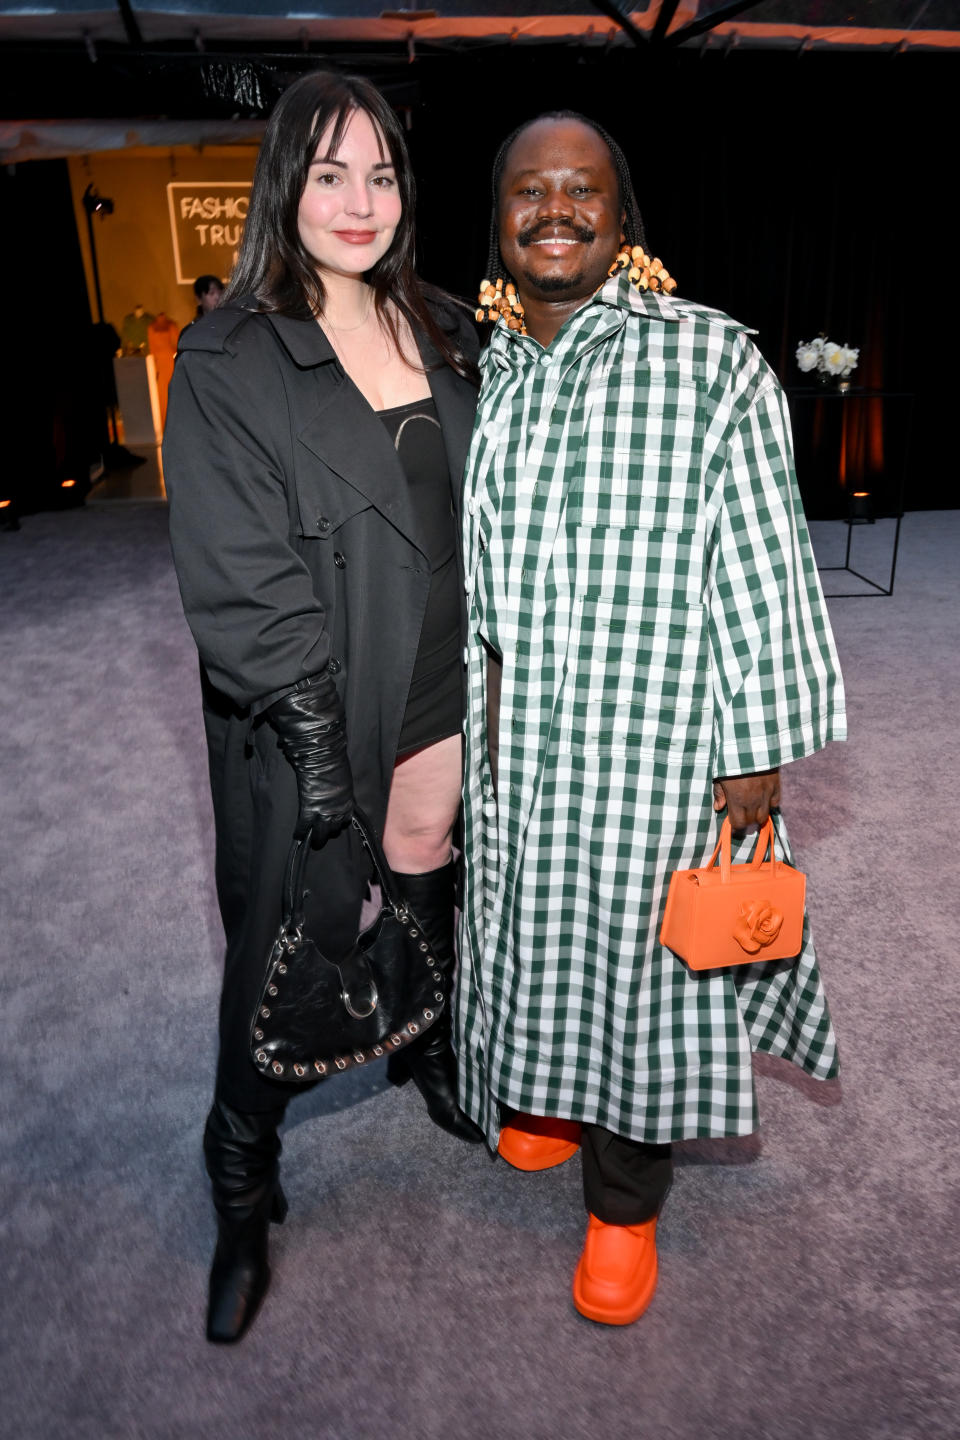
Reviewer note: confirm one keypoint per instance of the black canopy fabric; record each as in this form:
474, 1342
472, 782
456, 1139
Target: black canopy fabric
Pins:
777, 24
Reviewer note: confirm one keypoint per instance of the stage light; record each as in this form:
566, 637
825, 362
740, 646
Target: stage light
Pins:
5, 503
67, 484
95, 204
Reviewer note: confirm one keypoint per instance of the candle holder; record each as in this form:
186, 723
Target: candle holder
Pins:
861, 508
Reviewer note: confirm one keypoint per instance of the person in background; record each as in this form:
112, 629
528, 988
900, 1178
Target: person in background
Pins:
647, 644
208, 290
319, 420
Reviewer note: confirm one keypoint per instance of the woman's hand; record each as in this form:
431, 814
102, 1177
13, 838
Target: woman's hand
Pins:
310, 726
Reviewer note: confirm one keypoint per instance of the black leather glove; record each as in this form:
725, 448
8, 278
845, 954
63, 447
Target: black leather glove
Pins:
310, 725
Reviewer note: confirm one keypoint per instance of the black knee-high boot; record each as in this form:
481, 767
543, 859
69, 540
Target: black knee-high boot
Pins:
430, 1061
241, 1152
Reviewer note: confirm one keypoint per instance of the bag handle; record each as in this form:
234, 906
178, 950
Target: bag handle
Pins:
296, 866
765, 841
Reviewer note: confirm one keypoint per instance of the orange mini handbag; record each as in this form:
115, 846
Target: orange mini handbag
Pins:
735, 914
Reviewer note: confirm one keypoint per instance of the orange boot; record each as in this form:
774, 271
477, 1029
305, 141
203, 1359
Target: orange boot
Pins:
538, 1142
617, 1273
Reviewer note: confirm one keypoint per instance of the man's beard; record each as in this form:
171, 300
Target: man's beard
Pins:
553, 284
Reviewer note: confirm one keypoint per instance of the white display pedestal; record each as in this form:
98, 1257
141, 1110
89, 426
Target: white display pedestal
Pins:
138, 400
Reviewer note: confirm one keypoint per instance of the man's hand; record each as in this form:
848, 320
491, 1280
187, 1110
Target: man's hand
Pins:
748, 799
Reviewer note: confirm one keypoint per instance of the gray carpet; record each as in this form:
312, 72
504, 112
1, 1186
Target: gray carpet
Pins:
808, 1274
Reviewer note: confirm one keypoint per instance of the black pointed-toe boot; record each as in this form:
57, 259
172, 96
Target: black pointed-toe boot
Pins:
241, 1152
430, 1062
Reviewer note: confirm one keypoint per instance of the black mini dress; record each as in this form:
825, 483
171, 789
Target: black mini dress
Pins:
434, 701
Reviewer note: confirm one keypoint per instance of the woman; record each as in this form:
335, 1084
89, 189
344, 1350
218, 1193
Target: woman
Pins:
319, 421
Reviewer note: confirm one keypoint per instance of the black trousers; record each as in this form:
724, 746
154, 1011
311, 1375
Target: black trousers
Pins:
624, 1181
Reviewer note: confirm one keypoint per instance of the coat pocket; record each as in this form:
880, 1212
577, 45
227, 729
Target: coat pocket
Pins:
636, 679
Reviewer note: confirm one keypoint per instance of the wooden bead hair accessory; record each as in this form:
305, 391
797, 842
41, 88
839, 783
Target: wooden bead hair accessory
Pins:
497, 300
642, 272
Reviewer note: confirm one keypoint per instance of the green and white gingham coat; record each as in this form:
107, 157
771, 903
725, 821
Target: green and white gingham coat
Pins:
636, 551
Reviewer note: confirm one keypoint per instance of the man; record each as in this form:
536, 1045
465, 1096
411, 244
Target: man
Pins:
648, 643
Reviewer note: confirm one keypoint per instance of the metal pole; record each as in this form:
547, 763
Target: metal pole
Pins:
93, 262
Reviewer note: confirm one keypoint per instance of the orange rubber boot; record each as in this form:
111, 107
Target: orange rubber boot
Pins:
538, 1142
617, 1273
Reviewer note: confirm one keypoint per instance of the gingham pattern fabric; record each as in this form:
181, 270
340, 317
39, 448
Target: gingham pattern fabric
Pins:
636, 551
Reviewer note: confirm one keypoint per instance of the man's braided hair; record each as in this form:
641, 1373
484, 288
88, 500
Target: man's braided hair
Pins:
633, 221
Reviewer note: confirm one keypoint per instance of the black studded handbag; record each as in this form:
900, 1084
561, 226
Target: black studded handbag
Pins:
318, 1014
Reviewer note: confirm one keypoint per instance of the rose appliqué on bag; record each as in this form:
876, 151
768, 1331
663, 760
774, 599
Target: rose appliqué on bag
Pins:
759, 925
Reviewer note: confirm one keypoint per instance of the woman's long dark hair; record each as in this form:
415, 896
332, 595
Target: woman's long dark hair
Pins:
273, 265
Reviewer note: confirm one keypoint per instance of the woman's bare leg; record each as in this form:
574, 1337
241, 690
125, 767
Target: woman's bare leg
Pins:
422, 809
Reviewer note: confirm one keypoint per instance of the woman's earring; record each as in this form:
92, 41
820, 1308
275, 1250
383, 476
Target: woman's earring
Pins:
497, 301
642, 272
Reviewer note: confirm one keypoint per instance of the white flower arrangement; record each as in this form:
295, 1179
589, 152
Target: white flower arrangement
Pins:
827, 357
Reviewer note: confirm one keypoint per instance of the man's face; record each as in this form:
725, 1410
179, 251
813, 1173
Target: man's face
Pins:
559, 217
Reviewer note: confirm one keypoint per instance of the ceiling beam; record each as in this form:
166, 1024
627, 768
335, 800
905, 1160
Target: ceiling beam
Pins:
130, 23
668, 8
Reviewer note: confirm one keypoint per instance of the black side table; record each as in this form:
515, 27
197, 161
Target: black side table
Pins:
849, 486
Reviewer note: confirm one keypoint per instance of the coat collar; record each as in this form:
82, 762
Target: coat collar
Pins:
618, 294
303, 340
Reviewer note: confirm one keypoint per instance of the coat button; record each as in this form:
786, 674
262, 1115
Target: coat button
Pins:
339, 561
323, 523
334, 667
471, 506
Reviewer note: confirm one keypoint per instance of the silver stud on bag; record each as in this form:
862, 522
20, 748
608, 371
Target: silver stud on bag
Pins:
414, 932
413, 1027
359, 1056
340, 1064
258, 1034
265, 1012
281, 969
299, 1069
438, 996
319, 1066
428, 1014
395, 1040
272, 990
277, 1068
261, 1057
437, 975
378, 1049
424, 946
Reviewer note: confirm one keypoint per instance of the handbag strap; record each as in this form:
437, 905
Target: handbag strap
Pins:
765, 841
296, 868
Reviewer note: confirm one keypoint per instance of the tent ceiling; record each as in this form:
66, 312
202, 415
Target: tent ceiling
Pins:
776, 24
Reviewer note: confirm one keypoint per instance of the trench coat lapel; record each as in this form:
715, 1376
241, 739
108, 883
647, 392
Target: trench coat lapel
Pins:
346, 433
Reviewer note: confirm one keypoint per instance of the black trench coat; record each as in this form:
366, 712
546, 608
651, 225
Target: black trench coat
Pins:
296, 548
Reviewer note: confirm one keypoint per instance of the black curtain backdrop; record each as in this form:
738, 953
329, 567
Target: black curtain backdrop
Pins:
49, 408
798, 193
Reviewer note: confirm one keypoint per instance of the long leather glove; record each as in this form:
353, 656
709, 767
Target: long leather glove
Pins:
310, 726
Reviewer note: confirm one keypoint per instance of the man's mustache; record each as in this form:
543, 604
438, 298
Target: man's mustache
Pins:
582, 233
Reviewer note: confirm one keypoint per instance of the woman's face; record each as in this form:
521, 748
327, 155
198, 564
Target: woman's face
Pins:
350, 206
